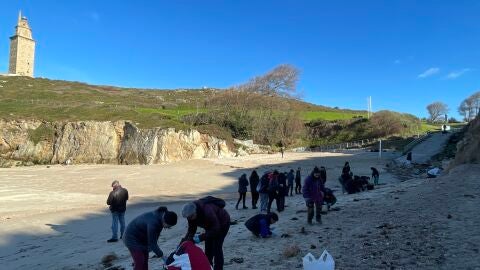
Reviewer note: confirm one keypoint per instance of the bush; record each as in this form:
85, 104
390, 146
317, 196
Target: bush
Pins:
44, 132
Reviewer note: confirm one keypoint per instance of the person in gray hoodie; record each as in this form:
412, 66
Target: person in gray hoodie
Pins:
142, 235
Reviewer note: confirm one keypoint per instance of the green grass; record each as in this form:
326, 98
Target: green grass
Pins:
329, 115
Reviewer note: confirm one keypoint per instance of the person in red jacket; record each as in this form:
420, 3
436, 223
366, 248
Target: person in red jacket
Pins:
209, 214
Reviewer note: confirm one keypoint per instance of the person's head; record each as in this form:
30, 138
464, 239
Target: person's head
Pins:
372, 168
291, 170
169, 217
347, 164
273, 217
275, 172
298, 168
316, 172
323, 168
115, 184
189, 211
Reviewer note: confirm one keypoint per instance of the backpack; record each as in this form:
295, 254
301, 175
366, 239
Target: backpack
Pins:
213, 200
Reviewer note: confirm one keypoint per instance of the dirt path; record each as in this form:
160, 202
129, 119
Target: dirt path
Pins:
433, 145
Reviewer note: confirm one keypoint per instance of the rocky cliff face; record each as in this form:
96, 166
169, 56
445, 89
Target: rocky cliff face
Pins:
102, 143
468, 149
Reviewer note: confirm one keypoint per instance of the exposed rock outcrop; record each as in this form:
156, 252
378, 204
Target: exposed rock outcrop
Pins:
468, 149
103, 143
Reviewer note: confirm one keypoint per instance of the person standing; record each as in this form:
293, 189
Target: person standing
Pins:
323, 175
282, 191
263, 190
209, 214
375, 175
313, 192
290, 178
242, 190
117, 200
254, 180
346, 168
142, 235
298, 181
273, 188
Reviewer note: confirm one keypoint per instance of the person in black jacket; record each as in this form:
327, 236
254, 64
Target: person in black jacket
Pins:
375, 175
142, 235
117, 200
259, 224
254, 180
298, 182
282, 191
242, 190
323, 175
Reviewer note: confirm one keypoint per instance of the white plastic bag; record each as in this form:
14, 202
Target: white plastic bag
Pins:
325, 262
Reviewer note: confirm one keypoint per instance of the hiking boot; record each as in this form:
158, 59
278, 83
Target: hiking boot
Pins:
309, 222
245, 207
254, 207
112, 240
319, 220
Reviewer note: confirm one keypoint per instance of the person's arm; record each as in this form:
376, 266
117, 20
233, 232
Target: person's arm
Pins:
192, 229
153, 232
211, 219
127, 195
264, 229
110, 198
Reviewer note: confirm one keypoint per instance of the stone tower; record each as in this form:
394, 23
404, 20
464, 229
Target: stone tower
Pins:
22, 49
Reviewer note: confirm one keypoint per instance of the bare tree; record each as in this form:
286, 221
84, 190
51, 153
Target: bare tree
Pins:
436, 110
280, 81
470, 107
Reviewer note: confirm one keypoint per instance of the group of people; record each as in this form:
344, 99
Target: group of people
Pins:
142, 233
272, 186
275, 186
352, 183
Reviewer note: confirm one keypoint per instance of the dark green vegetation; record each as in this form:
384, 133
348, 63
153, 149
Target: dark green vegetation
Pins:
261, 109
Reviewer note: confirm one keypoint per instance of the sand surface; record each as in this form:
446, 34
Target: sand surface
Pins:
56, 217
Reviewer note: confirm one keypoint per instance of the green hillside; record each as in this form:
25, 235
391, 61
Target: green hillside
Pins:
54, 100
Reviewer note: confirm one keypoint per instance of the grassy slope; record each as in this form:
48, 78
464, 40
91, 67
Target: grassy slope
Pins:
53, 100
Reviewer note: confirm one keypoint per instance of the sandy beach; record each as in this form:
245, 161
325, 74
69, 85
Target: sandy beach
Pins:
56, 218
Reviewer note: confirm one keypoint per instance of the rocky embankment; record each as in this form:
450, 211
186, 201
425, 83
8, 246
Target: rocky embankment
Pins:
121, 142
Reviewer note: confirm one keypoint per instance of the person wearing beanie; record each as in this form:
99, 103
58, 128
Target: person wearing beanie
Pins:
259, 224
209, 214
143, 232
117, 200
313, 191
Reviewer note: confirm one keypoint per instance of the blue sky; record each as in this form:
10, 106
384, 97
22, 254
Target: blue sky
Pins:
405, 54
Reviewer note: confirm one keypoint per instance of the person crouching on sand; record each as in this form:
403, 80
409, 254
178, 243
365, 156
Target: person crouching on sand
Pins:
259, 224
142, 235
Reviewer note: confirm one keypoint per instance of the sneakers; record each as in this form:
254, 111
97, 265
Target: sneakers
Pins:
112, 240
